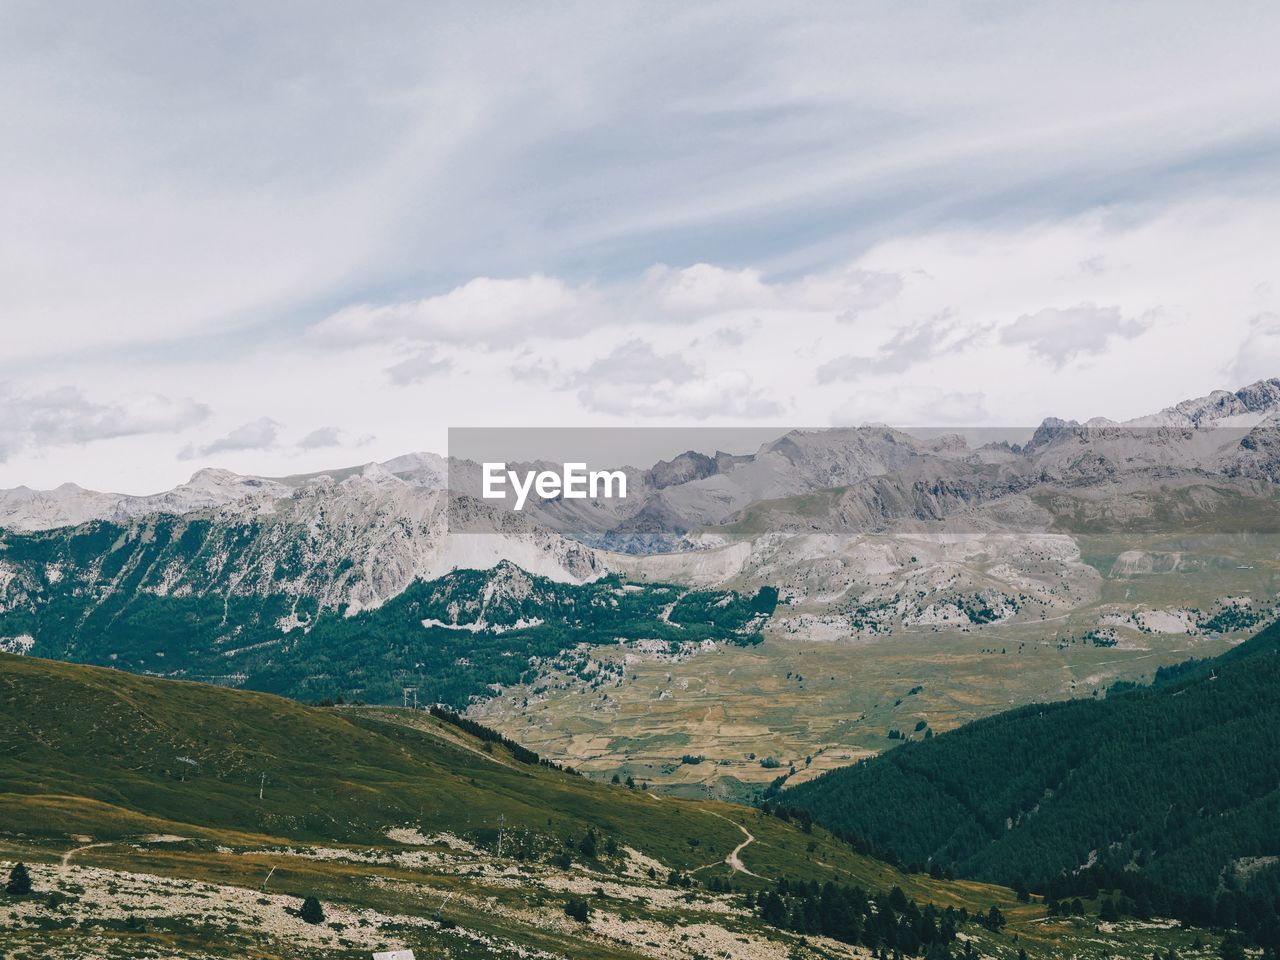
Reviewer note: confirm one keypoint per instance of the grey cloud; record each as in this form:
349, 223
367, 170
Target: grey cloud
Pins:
918, 406
66, 416
423, 365
260, 434
636, 362
635, 380
599, 165
865, 290
906, 348
1259, 354
324, 437
1060, 336
320, 438
531, 368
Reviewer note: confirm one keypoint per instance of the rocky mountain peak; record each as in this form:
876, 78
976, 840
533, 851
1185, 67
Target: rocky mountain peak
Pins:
689, 465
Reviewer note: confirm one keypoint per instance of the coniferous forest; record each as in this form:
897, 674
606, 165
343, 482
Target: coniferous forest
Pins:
1165, 797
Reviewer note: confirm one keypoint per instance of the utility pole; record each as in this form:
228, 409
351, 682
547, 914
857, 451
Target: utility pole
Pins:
443, 904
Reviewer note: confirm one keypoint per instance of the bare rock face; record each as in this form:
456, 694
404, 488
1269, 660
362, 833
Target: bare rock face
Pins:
1257, 456
68, 505
347, 544
690, 465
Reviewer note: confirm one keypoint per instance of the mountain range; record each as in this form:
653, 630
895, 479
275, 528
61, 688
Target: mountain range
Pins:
360, 584
1228, 434
860, 531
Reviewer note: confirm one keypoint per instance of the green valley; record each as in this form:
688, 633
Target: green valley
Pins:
165, 818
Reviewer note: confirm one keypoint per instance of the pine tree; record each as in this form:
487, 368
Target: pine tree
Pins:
578, 909
312, 912
19, 884
1231, 948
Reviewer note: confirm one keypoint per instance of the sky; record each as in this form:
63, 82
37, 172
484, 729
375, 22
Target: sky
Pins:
282, 237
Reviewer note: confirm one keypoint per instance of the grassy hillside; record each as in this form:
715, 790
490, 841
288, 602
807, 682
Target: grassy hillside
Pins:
199, 754
214, 786
1171, 792
171, 819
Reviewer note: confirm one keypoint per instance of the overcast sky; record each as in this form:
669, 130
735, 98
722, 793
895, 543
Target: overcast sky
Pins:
282, 237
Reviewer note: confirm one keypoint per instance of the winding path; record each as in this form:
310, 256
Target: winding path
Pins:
734, 859
66, 857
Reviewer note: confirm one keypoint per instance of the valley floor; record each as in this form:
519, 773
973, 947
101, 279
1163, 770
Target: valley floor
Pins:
754, 713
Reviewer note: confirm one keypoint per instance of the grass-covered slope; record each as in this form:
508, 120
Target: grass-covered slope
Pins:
199, 755
1178, 783
170, 819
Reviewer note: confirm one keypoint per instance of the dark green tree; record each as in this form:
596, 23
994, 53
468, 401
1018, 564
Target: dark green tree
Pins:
312, 912
1232, 948
19, 884
578, 909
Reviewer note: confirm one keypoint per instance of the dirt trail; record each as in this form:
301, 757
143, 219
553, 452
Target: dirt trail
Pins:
734, 859
66, 857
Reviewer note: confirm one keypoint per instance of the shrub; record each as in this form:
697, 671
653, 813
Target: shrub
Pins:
312, 912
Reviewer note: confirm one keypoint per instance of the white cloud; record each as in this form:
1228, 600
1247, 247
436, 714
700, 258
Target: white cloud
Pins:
260, 434
726, 395
490, 313
152, 200
850, 292
65, 417
1062, 335
483, 311
1203, 269
705, 289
